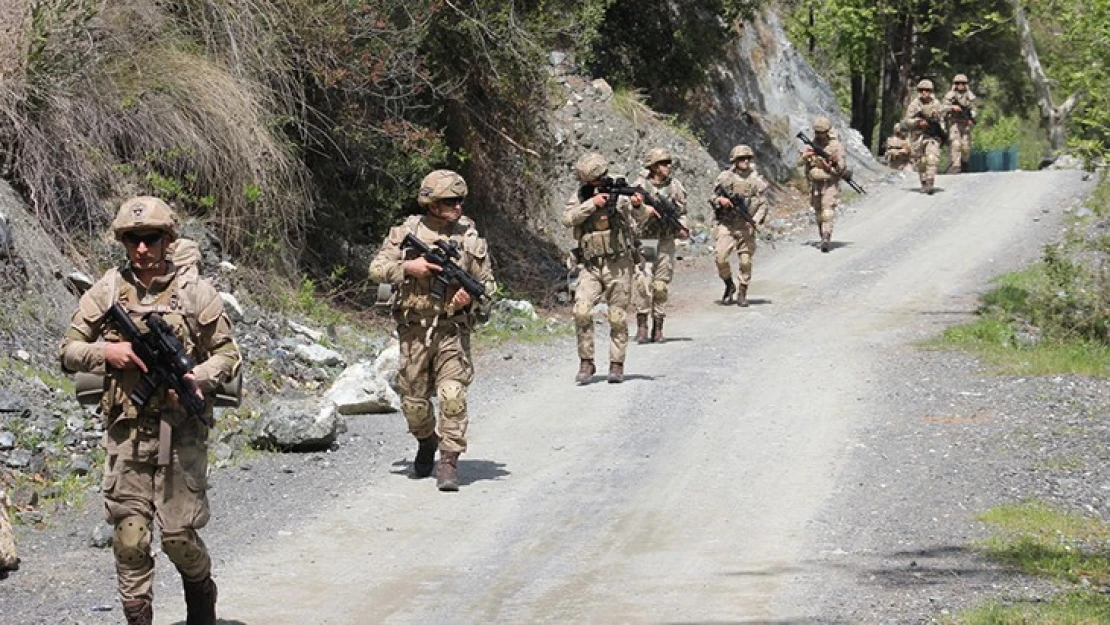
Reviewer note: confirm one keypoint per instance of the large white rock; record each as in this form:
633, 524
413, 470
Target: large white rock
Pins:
319, 355
361, 390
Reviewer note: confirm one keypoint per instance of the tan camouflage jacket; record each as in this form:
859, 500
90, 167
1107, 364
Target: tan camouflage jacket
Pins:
414, 301
599, 234
748, 184
817, 170
671, 189
189, 305
933, 110
965, 100
897, 150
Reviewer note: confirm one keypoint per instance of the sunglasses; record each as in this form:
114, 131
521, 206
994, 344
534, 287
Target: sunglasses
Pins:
663, 163
743, 158
451, 201
150, 240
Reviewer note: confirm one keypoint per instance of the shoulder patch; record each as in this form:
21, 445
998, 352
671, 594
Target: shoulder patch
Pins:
209, 304
100, 297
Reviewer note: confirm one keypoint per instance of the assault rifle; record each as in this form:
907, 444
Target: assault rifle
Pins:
847, 176
166, 362
740, 206
443, 254
933, 128
668, 212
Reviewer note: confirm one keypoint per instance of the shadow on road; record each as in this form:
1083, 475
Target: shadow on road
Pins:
833, 245
471, 471
219, 621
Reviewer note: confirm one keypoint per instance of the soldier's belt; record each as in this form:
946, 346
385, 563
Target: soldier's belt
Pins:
90, 388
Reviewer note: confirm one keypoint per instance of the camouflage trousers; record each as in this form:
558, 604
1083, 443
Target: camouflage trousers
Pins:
824, 196
435, 362
610, 278
927, 153
175, 497
653, 282
738, 238
959, 144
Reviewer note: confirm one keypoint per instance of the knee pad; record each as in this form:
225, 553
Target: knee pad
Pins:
182, 548
583, 317
131, 542
659, 289
415, 408
618, 315
746, 263
452, 398
932, 160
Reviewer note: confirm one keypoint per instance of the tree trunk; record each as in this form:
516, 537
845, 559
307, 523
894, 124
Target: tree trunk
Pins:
1053, 118
897, 63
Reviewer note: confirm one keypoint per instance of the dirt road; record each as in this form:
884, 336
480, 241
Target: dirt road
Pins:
687, 493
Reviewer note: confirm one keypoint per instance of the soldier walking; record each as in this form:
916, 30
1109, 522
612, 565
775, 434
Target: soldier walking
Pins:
434, 327
143, 480
653, 285
733, 232
602, 224
959, 108
924, 117
824, 176
898, 152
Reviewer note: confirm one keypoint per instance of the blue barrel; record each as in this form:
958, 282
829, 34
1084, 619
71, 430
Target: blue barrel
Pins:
1011, 158
977, 162
996, 160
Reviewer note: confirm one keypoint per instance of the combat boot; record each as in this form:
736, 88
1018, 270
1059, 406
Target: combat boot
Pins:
730, 288
138, 612
200, 602
641, 328
586, 370
825, 240
616, 372
425, 460
447, 477
657, 330
742, 296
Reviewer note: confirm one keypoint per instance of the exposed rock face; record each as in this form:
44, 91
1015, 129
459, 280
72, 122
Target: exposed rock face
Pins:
762, 93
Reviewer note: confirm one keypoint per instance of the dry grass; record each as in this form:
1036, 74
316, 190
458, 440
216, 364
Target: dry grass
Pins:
117, 99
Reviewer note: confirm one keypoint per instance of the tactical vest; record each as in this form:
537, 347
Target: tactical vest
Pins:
604, 234
654, 228
413, 300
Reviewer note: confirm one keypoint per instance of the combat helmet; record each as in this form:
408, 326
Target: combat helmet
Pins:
144, 213
440, 185
960, 78
591, 167
656, 155
822, 124
738, 151
925, 84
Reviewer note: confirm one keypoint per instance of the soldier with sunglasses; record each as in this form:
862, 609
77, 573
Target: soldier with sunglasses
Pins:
143, 482
652, 286
434, 331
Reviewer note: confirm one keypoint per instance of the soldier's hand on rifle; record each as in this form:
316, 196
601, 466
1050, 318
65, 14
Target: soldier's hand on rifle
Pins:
956, 108
600, 200
638, 199
684, 234
921, 123
724, 202
420, 267
461, 299
654, 213
121, 356
191, 380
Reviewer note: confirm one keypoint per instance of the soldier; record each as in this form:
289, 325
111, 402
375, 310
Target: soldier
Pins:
899, 153
434, 332
733, 232
924, 118
144, 481
824, 176
603, 230
959, 105
652, 286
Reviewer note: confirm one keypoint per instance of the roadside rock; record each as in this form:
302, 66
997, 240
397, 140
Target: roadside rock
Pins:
300, 425
318, 355
360, 389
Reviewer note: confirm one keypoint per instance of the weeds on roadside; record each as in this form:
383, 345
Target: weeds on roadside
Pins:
1038, 539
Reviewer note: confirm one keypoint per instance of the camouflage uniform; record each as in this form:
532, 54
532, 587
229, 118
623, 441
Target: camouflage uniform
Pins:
824, 178
959, 123
137, 488
605, 243
926, 147
898, 152
434, 335
733, 233
652, 284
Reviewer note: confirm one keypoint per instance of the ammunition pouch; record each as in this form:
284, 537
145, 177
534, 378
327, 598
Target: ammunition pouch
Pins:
90, 388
